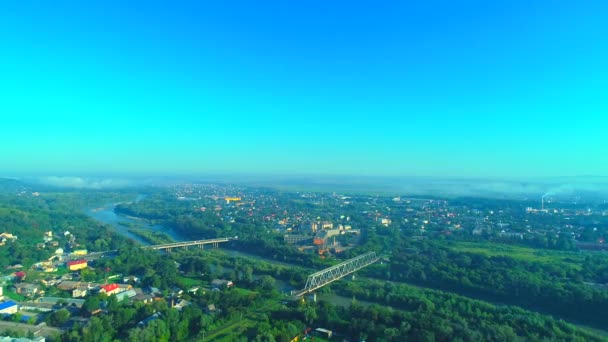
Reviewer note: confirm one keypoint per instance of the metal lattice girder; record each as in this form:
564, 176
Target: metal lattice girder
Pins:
190, 243
328, 275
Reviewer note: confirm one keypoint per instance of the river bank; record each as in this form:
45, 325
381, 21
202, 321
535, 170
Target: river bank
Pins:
125, 225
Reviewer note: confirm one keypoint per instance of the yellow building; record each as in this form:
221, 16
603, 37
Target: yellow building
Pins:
77, 265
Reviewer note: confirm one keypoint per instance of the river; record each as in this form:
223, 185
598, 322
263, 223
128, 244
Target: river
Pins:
107, 215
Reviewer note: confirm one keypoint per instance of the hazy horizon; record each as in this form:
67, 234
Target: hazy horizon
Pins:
590, 188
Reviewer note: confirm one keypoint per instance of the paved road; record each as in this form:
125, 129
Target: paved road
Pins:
37, 330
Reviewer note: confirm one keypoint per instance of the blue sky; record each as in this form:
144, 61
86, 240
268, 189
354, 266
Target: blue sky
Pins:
429, 88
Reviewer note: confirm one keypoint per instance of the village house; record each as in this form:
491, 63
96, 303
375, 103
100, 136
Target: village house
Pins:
194, 290
76, 265
69, 285
221, 283
130, 279
56, 301
110, 289
144, 323
210, 309
4, 237
126, 295
80, 291
27, 289
143, 297
125, 287
181, 304
20, 275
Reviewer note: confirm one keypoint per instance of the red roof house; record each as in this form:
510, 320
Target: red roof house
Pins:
110, 289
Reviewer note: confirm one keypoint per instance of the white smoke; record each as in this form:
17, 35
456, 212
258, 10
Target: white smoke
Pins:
84, 183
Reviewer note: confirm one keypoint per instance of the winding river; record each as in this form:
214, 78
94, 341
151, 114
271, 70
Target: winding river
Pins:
121, 223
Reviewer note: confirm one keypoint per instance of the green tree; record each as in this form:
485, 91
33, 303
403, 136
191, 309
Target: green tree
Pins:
90, 304
58, 318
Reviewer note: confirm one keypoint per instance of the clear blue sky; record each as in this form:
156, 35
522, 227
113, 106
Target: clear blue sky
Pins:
433, 88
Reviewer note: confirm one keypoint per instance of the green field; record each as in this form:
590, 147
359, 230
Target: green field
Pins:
189, 282
572, 259
239, 326
231, 331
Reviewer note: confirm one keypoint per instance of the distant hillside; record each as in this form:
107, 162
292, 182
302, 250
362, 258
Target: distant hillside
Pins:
12, 185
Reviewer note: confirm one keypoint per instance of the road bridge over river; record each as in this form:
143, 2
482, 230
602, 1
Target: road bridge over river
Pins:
166, 246
198, 243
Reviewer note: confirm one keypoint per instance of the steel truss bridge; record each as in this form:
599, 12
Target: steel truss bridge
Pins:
333, 273
199, 243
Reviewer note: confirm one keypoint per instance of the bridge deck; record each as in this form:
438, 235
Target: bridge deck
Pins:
190, 243
336, 272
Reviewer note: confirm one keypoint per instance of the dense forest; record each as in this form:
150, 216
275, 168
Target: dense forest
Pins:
558, 288
402, 311
30, 217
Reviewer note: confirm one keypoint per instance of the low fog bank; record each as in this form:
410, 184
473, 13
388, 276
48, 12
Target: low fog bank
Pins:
590, 188
560, 187
74, 182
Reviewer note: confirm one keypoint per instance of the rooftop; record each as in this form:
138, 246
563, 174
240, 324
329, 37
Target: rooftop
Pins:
76, 262
110, 287
6, 305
